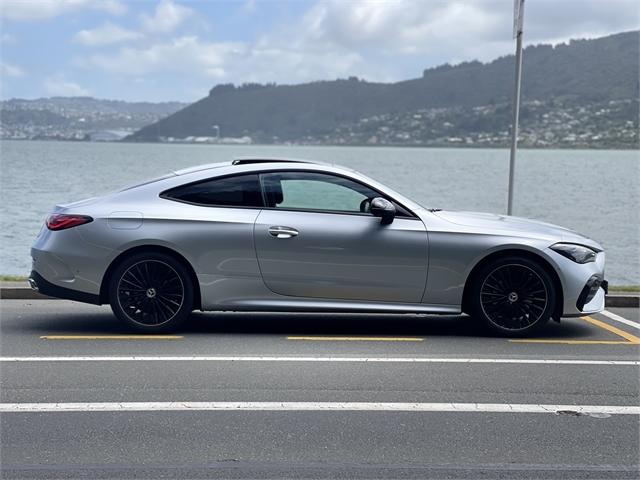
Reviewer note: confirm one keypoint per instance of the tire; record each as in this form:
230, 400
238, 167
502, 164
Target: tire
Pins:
151, 292
513, 296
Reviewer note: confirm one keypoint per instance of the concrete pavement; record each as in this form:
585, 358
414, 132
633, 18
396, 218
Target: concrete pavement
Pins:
68, 353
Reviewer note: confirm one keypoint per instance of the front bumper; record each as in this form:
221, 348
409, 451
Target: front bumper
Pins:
590, 291
583, 285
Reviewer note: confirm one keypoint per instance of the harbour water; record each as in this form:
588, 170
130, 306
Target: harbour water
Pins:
595, 192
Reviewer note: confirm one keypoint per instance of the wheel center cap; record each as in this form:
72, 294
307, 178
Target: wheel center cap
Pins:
151, 293
513, 297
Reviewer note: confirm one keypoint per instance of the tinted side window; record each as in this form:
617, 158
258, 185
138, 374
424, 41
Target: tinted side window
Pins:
315, 191
237, 191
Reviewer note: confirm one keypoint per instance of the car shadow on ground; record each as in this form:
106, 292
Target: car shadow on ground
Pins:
361, 325
276, 323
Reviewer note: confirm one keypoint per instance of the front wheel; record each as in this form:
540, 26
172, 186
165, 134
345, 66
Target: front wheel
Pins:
151, 292
513, 296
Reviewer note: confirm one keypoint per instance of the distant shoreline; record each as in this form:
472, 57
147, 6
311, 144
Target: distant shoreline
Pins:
329, 145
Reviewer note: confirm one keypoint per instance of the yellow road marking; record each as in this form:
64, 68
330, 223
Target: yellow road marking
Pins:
629, 338
111, 337
359, 339
621, 333
572, 342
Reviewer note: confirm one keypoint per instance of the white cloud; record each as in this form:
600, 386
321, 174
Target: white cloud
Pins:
187, 55
405, 26
8, 70
35, 10
167, 17
249, 7
59, 86
114, 7
229, 61
273, 61
376, 40
105, 35
458, 29
8, 39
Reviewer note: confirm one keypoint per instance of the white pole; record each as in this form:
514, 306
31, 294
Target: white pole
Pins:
518, 22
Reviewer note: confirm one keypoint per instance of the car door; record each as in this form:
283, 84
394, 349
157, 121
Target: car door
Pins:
313, 240
212, 223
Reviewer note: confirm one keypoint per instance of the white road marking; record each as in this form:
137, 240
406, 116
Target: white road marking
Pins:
620, 319
317, 406
531, 361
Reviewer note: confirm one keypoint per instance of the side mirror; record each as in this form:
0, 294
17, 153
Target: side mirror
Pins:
383, 208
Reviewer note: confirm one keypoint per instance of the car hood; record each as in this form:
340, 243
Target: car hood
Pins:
508, 224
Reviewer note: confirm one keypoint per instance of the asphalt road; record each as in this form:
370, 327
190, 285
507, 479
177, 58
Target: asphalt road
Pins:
350, 396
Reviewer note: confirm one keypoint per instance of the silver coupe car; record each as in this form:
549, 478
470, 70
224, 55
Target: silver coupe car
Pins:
258, 234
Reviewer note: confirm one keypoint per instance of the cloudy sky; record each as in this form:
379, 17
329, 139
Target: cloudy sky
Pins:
158, 50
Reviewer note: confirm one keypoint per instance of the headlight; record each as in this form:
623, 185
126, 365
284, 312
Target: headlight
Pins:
577, 253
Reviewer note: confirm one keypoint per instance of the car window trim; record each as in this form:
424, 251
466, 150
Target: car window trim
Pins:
332, 212
259, 173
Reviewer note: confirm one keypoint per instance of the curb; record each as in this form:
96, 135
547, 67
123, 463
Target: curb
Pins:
25, 293
22, 293
623, 301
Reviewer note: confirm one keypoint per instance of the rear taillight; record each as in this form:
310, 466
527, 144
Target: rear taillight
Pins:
61, 221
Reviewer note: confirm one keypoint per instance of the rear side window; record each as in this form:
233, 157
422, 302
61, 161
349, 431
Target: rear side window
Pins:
236, 191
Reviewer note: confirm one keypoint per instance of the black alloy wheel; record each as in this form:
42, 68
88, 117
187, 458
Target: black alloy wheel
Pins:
513, 296
151, 292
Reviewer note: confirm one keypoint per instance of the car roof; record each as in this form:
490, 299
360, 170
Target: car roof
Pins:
259, 164
242, 161
252, 160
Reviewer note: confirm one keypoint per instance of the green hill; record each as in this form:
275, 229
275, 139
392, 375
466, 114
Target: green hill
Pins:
582, 72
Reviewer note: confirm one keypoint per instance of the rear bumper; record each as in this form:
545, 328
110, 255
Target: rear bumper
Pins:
37, 282
66, 266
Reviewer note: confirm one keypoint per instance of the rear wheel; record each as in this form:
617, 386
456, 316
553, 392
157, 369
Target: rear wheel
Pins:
513, 296
151, 292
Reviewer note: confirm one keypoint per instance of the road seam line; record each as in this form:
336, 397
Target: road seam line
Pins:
266, 358
111, 337
318, 406
358, 339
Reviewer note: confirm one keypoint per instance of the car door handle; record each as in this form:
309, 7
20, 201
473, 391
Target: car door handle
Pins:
282, 232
